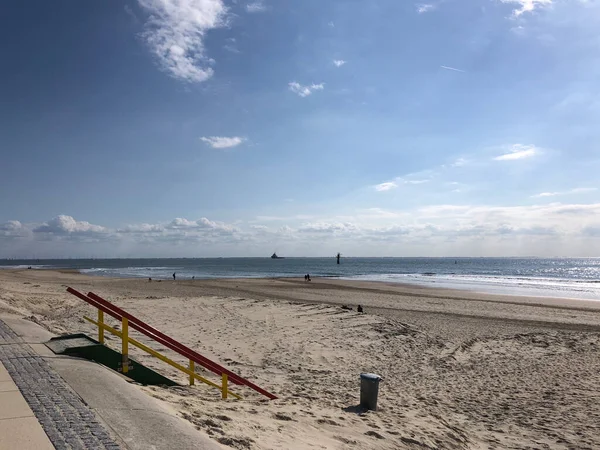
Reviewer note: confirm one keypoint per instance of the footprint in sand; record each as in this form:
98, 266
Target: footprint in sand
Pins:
374, 434
328, 422
240, 443
281, 416
210, 423
345, 440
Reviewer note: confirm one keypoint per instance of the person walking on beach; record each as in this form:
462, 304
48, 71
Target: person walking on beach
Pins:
173, 276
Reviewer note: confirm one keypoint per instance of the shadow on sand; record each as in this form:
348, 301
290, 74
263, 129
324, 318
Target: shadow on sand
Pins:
356, 409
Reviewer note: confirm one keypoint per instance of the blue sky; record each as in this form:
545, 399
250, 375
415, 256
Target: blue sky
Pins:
236, 128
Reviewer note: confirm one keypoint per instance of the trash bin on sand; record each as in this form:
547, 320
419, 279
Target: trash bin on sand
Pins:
369, 390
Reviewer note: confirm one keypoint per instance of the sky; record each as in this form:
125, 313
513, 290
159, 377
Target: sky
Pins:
200, 128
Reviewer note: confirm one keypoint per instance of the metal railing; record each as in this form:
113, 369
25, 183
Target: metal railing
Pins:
129, 321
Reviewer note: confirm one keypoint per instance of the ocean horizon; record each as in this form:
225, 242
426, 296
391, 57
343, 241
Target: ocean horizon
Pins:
577, 278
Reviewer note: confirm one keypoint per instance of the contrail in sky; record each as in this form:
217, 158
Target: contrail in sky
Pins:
452, 68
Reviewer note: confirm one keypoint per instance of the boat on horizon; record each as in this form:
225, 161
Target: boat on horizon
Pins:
274, 256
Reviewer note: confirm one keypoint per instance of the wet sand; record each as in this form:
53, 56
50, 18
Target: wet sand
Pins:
461, 369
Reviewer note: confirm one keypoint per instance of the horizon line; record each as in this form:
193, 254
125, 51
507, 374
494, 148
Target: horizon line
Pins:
292, 257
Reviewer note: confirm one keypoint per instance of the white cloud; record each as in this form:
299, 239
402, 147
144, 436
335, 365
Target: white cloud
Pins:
571, 191
453, 69
414, 181
460, 162
305, 91
527, 5
435, 230
230, 46
339, 62
389, 185
68, 225
325, 227
181, 230
546, 194
386, 186
519, 151
179, 223
200, 224
11, 225
255, 7
175, 32
425, 7
13, 229
284, 218
582, 190
141, 228
222, 142
553, 214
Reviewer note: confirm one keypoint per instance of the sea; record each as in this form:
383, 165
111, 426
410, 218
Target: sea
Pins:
577, 278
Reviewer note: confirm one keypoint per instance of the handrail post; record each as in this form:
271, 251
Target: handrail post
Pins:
124, 344
193, 369
224, 386
101, 326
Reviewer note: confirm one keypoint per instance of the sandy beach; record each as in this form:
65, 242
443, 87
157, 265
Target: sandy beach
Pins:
461, 370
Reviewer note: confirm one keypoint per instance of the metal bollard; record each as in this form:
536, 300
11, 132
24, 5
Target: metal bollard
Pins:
369, 390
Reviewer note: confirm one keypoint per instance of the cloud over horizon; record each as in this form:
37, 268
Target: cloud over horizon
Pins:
570, 191
436, 230
64, 225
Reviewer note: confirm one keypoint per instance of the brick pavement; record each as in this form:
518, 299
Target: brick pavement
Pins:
68, 422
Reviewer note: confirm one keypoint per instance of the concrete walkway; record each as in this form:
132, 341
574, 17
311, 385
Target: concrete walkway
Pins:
80, 404
18, 426
67, 421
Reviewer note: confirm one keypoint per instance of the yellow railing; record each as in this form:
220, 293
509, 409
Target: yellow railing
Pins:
126, 340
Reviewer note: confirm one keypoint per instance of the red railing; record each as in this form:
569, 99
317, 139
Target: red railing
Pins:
153, 333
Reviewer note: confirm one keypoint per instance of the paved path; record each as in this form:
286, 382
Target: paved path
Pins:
19, 429
67, 421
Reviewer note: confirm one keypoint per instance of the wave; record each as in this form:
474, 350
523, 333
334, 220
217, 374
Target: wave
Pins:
533, 286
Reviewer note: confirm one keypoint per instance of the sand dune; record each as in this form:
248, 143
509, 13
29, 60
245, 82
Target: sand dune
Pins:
461, 370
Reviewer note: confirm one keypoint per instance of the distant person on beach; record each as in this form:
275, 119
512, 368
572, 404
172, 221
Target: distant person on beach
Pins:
359, 309
149, 279
308, 277
173, 276
194, 277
